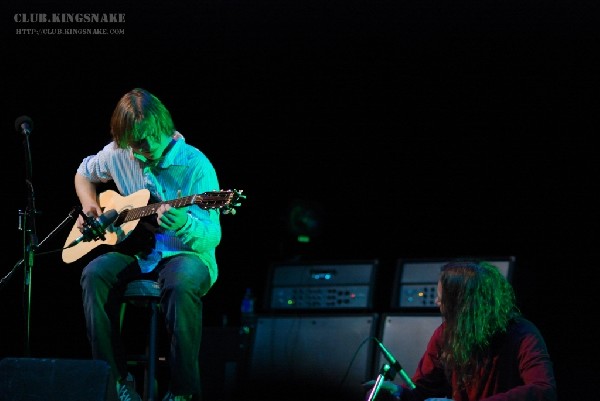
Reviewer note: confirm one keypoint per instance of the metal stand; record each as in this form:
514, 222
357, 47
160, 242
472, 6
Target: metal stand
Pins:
27, 226
27, 262
384, 374
24, 125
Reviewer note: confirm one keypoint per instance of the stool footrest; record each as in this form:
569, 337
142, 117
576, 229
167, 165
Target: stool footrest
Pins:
142, 289
143, 358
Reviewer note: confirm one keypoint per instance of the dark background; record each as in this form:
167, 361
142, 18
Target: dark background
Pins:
417, 128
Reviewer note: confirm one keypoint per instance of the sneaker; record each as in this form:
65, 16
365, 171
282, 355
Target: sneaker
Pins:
171, 397
126, 389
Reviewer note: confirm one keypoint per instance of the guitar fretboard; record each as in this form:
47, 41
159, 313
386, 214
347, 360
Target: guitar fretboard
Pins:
208, 200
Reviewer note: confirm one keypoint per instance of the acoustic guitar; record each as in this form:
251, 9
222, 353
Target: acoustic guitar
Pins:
126, 211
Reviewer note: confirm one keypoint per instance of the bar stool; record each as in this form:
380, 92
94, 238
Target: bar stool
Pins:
145, 294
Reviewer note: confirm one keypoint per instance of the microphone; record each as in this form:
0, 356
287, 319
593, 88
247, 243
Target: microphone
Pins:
95, 228
24, 125
395, 365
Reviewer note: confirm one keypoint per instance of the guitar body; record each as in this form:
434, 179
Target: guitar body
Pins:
114, 235
134, 209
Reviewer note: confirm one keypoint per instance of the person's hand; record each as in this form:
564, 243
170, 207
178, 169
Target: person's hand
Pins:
92, 210
385, 385
171, 218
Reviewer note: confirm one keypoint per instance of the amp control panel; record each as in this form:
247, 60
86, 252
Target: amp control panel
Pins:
321, 285
418, 295
415, 285
320, 297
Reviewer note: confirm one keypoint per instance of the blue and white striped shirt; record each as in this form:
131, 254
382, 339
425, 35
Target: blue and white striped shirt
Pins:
183, 171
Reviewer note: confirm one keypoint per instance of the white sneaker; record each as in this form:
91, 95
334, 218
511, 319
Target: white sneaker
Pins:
171, 397
126, 389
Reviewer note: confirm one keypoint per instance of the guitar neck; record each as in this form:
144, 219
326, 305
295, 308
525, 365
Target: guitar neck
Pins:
148, 210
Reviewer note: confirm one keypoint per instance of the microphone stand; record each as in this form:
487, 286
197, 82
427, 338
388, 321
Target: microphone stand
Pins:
27, 262
386, 372
27, 226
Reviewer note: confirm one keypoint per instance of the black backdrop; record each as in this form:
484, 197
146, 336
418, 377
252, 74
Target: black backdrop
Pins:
419, 128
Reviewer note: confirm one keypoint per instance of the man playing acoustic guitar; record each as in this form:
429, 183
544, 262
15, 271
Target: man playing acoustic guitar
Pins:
147, 154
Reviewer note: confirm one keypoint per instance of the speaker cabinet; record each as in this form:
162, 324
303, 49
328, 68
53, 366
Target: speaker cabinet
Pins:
406, 337
220, 360
29, 379
312, 357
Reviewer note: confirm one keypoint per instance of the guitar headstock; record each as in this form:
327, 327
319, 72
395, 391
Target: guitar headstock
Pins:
227, 200
235, 200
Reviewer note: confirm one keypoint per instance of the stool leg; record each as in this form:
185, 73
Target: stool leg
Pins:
122, 315
151, 367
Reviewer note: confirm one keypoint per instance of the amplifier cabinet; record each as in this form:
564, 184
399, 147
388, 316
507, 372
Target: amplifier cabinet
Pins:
321, 286
32, 379
317, 356
415, 283
406, 337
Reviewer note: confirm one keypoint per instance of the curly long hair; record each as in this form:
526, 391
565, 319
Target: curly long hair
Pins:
477, 304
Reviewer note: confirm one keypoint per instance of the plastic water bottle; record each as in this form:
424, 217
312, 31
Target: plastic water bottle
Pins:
247, 313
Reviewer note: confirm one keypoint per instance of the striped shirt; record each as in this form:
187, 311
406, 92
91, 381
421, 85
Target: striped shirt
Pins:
183, 171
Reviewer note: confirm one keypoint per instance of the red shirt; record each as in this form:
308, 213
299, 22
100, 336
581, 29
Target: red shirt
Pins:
520, 370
